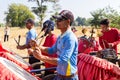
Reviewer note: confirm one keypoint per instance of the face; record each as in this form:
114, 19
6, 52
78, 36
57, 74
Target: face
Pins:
104, 27
29, 25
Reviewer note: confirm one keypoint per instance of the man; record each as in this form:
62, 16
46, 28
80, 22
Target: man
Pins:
7, 32
66, 48
48, 27
31, 35
110, 36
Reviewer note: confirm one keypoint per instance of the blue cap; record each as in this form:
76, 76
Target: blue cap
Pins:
48, 24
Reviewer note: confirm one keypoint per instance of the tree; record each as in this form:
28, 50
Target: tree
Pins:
80, 21
17, 14
41, 8
107, 12
97, 16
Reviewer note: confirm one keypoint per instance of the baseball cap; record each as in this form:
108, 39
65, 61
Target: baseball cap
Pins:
30, 20
48, 24
65, 14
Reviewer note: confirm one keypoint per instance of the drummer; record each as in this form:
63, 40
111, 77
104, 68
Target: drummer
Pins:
31, 35
66, 48
110, 36
48, 26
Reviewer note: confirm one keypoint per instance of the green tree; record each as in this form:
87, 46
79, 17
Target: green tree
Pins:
80, 21
97, 16
41, 8
17, 14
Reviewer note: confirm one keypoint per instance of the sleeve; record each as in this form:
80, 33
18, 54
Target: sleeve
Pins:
117, 38
67, 51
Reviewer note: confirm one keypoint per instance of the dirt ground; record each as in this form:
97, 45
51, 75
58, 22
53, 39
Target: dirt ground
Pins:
15, 32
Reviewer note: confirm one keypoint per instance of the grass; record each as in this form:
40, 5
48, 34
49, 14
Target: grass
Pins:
15, 32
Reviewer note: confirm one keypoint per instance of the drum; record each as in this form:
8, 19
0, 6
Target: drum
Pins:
108, 54
11, 71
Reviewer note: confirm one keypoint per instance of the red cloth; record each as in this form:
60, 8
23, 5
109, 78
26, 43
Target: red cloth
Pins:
111, 36
2, 49
93, 68
49, 42
10, 56
7, 74
15, 60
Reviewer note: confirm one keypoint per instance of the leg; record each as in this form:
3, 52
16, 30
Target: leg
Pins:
4, 38
33, 60
7, 37
48, 73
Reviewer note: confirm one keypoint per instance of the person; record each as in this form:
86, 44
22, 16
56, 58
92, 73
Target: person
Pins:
48, 26
110, 36
31, 35
88, 45
73, 29
6, 35
66, 47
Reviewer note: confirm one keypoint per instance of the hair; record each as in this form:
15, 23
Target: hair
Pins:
104, 22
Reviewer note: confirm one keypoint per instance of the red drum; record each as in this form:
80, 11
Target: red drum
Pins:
11, 71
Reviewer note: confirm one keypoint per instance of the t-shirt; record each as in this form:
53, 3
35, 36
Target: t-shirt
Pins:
49, 42
111, 36
31, 35
66, 48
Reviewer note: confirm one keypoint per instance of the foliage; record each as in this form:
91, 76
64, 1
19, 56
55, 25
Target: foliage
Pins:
17, 14
106, 13
41, 8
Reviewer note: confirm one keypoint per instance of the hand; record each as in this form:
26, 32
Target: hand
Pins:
18, 47
32, 43
37, 53
110, 45
30, 51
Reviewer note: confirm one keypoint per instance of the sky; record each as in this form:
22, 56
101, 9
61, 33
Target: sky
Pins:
80, 8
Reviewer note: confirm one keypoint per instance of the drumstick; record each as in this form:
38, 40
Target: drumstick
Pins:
38, 35
16, 41
41, 41
19, 39
103, 44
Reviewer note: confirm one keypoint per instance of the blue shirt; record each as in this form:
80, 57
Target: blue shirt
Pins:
66, 48
31, 35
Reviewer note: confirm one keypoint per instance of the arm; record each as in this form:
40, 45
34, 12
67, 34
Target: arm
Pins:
38, 55
117, 38
23, 47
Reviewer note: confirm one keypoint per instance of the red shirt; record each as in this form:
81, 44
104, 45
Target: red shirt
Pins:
111, 36
49, 42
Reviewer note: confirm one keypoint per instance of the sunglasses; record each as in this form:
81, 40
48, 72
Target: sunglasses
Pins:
61, 19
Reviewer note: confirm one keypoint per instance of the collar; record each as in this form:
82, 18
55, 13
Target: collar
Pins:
61, 36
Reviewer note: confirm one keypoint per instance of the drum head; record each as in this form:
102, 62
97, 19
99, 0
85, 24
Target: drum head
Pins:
16, 70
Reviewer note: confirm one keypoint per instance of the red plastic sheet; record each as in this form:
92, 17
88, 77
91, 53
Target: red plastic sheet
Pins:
93, 68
